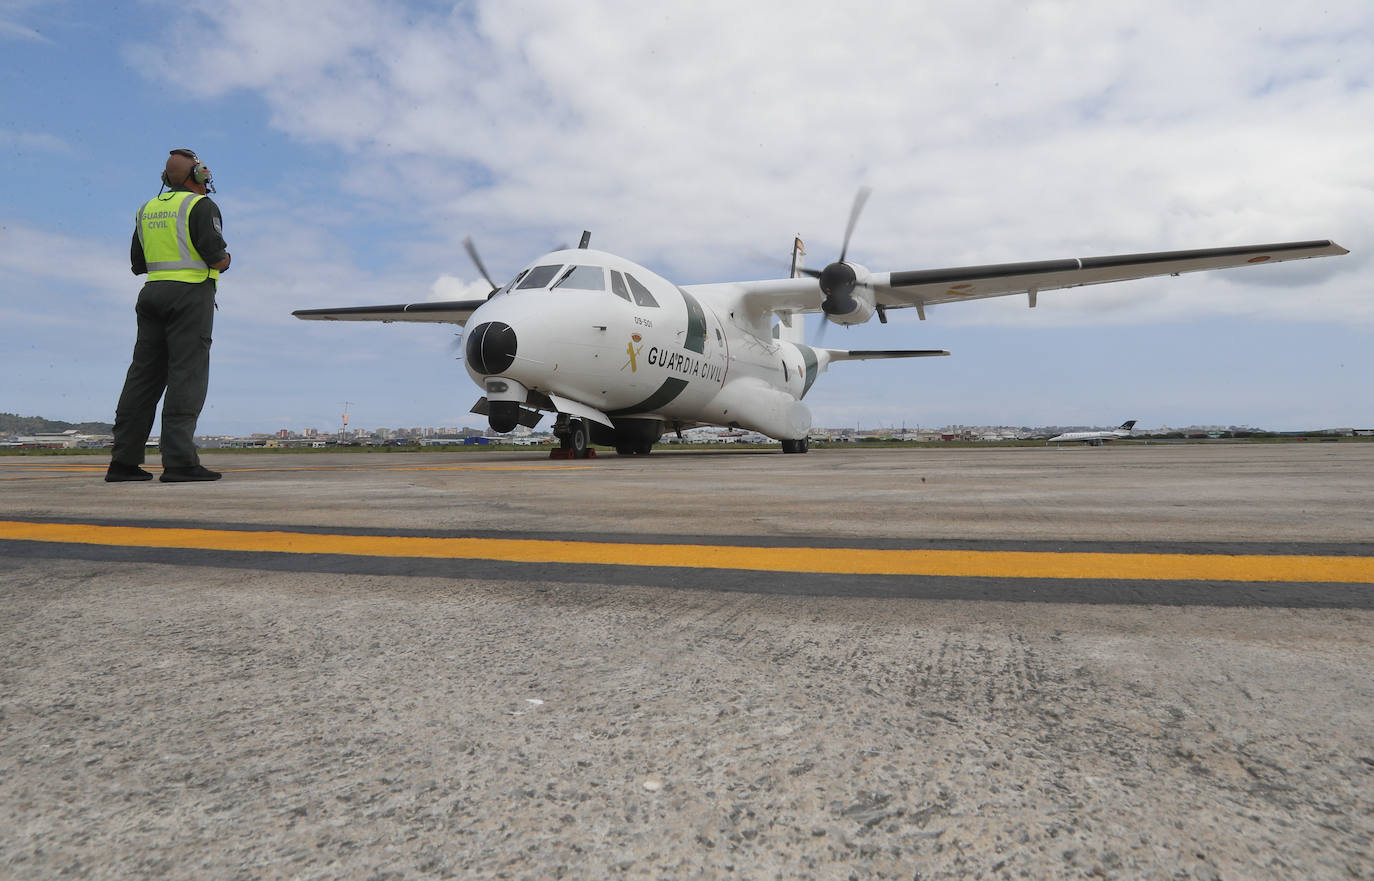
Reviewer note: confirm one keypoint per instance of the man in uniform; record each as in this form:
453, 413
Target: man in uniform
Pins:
178, 242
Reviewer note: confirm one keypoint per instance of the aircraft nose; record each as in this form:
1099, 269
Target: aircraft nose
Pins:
490, 347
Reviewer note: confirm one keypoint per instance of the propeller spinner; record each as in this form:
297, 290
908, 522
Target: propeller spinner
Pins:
840, 279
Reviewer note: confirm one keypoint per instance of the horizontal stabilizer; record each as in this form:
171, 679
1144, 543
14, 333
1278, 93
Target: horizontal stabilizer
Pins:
437, 311
872, 354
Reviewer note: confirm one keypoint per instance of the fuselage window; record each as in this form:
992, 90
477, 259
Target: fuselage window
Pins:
583, 278
641, 293
618, 285
539, 277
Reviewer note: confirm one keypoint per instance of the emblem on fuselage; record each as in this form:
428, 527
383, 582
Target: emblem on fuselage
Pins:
633, 351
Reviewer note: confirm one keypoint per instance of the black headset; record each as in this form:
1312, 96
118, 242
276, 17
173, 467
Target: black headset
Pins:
199, 173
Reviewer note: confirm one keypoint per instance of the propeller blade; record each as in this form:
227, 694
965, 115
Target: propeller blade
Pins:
820, 333
860, 198
472, 252
813, 273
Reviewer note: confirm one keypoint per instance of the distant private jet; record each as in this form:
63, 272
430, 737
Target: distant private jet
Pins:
1096, 438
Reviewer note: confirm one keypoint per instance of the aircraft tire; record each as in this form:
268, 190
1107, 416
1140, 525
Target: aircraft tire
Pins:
796, 446
578, 438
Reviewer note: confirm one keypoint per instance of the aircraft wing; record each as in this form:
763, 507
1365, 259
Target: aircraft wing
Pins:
437, 311
926, 287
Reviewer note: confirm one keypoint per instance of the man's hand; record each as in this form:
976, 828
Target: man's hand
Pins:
221, 265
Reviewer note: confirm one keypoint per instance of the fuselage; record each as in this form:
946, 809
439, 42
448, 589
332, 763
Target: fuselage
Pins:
596, 329
1095, 438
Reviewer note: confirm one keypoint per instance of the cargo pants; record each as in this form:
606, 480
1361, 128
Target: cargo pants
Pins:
171, 355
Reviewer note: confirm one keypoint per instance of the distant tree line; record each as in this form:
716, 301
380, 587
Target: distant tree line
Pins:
11, 423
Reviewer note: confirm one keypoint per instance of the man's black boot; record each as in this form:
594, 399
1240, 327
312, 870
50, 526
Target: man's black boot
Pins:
118, 472
188, 474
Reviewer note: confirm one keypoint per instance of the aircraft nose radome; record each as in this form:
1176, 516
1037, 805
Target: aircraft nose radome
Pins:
490, 347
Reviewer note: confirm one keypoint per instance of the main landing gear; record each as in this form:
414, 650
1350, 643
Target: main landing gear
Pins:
574, 439
801, 445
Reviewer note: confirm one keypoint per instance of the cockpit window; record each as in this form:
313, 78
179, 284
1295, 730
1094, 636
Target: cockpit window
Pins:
618, 286
512, 283
539, 277
641, 293
583, 278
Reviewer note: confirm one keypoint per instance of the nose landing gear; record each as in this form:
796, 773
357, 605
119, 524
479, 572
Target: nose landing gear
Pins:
574, 439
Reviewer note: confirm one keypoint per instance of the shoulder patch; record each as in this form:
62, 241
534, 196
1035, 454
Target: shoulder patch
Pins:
214, 221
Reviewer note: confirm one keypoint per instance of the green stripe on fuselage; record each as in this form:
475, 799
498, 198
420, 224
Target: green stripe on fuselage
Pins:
696, 324
666, 394
812, 364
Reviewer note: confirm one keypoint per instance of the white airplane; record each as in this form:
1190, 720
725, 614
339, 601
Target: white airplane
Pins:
621, 354
1096, 438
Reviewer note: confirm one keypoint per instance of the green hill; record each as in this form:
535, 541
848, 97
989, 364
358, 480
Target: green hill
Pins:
11, 423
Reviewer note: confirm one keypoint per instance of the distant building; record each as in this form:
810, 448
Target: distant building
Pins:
70, 439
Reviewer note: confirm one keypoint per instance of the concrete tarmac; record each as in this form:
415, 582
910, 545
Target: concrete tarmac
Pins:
1134, 662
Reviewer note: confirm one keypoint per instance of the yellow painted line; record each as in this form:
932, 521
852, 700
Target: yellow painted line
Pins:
854, 561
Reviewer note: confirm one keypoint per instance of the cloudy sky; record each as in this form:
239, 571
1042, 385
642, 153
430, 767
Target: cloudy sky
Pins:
355, 143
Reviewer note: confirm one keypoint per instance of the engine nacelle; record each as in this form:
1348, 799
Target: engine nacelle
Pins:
848, 298
862, 306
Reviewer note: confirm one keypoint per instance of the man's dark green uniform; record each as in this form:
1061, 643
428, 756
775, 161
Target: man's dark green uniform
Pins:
176, 242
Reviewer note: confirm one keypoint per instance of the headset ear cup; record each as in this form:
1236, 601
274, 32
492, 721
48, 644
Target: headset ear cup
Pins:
201, 172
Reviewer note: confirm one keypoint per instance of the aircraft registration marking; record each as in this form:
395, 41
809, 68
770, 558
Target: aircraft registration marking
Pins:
855, 561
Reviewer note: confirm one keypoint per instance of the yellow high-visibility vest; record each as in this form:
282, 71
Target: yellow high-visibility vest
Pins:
164, 233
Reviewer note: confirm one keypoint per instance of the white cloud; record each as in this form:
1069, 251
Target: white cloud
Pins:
694, 137
11, 11
35, 142
990, 132
448, 287
28, 254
